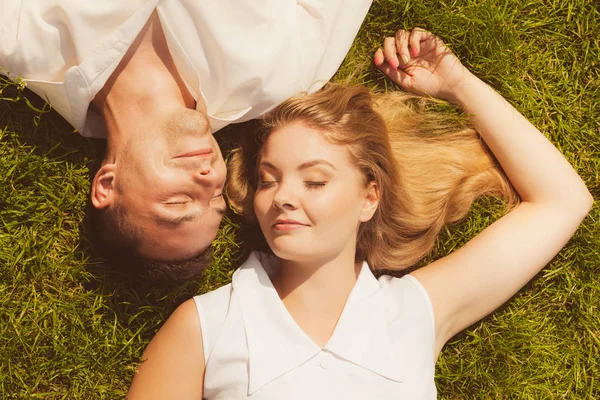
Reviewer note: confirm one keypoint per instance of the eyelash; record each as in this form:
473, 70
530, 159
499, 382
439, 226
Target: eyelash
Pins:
265, 184
177, 202
314, 185
310, 185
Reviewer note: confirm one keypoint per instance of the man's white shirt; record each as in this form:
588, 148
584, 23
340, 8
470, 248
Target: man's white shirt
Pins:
242, 58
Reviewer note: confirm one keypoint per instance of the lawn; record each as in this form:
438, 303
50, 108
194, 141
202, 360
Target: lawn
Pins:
71, 330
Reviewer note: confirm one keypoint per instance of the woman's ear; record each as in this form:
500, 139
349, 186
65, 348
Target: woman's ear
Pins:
103, 186
371, 202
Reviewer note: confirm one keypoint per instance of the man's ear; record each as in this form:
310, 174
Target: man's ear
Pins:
371, 202
103, 186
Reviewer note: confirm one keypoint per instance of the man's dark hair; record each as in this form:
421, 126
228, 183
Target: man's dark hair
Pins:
115, 238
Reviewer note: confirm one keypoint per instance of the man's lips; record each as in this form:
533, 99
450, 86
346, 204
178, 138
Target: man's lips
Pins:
197, 153
287, 225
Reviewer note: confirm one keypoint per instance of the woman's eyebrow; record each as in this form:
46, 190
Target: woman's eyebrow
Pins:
312, 163
267, 164
304, 165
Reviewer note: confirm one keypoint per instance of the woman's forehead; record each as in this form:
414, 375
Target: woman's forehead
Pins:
298, 142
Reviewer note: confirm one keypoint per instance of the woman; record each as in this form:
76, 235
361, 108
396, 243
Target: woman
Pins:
333, 196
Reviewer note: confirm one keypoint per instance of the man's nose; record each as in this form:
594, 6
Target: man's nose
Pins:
205, 171
205, 174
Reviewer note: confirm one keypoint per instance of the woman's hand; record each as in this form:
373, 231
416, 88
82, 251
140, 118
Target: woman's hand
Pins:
421, 63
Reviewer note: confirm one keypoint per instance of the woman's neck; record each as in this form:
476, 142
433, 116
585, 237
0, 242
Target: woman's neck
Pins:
334, 272
315, 292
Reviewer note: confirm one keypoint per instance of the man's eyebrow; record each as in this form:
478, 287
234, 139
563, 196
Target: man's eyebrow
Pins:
172, 221
304, 165
221, 211
176, 221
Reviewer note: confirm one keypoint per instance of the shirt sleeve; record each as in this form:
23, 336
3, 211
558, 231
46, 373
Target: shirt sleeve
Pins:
9, 9
8, 22
212, 311
426, 299
409, 304
326, 30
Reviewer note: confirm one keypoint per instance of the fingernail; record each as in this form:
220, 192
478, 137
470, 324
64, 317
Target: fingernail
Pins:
414, 52
405, 58
395, 64
377, 59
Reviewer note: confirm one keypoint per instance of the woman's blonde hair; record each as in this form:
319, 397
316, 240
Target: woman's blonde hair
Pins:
429, 166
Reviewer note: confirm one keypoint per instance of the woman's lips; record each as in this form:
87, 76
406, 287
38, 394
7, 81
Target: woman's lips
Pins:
197, 153
287, 225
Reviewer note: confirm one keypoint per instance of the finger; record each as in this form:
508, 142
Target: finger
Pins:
417, 35
420, 38
402, 46
389, 52
397, 75
378, 58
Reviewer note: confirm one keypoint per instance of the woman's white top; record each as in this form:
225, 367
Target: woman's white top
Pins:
242, 57
382, 346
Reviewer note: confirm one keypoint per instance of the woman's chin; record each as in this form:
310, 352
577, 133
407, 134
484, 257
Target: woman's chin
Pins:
289, 254
293, 253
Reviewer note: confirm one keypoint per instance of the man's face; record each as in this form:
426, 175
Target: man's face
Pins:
170, 182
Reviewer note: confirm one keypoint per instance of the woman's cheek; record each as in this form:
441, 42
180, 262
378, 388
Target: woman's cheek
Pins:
261, 205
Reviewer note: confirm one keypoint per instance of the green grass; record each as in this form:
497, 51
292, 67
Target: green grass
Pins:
69, 330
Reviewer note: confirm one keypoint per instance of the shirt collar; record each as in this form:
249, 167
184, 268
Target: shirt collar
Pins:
84, 81
360, 336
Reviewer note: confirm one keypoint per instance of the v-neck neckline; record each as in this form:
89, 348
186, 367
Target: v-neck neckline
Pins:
273, 264
276, 344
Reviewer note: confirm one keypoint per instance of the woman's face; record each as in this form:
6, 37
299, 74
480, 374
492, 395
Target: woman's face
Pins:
310, 198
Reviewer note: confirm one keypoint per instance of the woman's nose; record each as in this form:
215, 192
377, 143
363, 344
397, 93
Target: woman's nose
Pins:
284, 198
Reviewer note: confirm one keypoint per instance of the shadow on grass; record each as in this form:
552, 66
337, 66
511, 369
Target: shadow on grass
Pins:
130, 296
44, 134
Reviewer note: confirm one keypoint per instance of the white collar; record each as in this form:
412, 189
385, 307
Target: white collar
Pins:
360, 336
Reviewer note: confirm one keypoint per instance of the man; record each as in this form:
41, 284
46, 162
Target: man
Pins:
157, 78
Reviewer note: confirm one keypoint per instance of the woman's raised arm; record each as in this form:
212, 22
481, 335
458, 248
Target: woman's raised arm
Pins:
476, 279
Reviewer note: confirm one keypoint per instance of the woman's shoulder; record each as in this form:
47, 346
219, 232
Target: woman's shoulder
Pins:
406, 296
214, 302
221, 296
404, 283
409, 284
212, 309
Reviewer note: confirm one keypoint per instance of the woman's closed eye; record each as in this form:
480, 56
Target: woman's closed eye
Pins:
313, 185
263, 183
